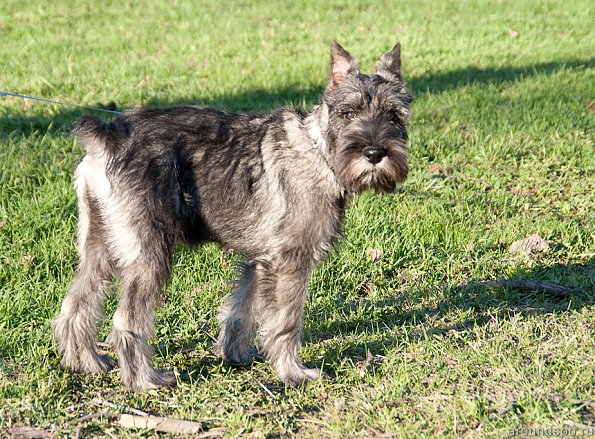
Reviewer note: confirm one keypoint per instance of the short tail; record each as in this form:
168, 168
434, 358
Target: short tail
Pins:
98, 138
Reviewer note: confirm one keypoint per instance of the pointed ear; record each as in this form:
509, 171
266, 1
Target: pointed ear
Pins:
391, 63
342, 65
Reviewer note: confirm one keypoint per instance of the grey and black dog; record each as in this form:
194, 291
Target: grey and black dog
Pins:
273, 187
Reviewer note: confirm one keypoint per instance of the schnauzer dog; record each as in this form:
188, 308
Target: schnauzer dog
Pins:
273, 187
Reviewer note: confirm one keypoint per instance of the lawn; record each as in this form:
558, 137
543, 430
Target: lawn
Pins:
501, 149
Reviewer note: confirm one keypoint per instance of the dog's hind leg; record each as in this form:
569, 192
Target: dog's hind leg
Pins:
75, 329
144, 275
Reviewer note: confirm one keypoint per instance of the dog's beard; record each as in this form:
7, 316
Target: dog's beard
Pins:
357, 174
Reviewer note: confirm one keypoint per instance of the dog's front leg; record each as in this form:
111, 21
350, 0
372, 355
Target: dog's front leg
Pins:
236, 318
280, 316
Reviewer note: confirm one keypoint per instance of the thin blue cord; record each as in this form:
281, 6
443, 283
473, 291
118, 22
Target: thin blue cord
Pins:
16, 95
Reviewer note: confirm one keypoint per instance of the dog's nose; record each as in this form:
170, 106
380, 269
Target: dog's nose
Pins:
375, 154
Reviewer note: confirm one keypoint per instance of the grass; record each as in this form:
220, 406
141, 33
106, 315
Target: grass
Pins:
501, 148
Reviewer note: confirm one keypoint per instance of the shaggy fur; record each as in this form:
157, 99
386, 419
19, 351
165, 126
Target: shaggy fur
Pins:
273, 187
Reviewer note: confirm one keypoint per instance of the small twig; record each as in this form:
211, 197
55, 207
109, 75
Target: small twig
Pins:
185, 349
379, 433
72, 408
30, 432
366, 364
217, 432
390, 403
582, 402
102, 414
533, 285
166, 425
103, 403
266, 389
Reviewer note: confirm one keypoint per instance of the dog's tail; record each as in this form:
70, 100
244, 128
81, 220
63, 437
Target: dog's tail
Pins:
98, 138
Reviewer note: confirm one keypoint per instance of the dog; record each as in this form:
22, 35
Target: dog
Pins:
274, 187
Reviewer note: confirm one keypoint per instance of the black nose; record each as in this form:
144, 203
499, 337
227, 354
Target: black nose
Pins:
375, 154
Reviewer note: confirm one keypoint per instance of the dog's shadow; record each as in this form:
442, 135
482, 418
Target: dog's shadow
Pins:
58, 120
334, 341
485, 302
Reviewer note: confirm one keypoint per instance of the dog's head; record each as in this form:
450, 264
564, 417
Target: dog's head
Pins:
367, 115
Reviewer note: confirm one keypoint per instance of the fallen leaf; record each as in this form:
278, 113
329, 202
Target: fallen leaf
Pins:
528, 245
339, 403
366, 289
590, 106
374, 254
435, 168
512, 33
26, 259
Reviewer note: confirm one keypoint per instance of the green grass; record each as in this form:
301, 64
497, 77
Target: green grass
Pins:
501, 148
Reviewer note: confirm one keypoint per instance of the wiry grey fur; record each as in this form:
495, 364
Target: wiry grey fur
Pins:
271, 186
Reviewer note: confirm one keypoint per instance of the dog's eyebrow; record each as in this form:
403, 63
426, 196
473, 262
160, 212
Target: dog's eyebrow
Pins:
353, 101
377, 79
371, 84
390, 98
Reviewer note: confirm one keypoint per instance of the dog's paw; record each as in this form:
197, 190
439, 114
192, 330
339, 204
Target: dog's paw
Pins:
245, 356
236, 354
300, 375
104, 364
165, 378
89, 363
157, 379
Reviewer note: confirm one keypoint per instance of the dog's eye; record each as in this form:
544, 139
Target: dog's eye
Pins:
394, 117
349, 115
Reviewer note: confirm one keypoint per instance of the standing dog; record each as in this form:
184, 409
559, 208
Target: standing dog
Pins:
273, 187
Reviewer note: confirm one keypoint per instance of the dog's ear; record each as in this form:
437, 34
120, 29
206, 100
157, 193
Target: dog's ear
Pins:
342, 65
390, 64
